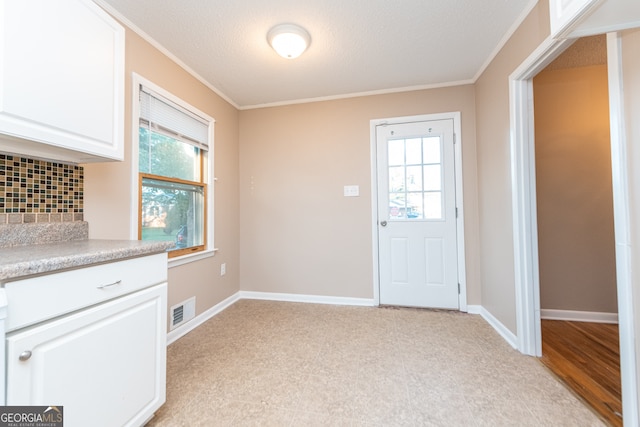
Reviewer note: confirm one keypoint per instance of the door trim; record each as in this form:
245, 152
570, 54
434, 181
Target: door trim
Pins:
523, 185
525, 235
462, 275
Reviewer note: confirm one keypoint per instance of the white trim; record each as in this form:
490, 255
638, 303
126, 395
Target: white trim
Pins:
525, 235
375, 256
197, 256
622, 227
190, 325
499, 327
579, 316
135, 136
527, 285
461, 255
360, 94
502, 330
314, 299
474, 309
460, 236
136, 81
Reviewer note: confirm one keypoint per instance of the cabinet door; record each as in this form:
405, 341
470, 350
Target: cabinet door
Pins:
105, 365
62, 80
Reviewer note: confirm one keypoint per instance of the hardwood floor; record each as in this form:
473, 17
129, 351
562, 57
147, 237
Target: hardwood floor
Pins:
586, 356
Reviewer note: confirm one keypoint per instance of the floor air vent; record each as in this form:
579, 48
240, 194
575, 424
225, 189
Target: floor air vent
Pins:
178, 315
183, 312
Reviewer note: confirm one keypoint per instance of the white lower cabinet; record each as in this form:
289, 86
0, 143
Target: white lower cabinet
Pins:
105, 364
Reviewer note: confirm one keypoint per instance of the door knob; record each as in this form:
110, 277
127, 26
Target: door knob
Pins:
383, 223
25, 355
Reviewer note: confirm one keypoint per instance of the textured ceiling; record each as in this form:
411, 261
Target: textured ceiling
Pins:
358, 46
584, 52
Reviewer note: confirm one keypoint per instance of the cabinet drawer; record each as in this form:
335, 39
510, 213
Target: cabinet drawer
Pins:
44, 297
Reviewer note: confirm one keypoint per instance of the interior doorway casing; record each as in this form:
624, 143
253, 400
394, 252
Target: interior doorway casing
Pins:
462, 275
527, 282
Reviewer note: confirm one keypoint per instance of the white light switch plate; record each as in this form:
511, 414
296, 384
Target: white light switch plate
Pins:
351, 190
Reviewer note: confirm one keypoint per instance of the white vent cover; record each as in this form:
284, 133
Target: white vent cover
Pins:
183, 312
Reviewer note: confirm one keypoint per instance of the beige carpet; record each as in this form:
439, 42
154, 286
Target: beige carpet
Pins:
292, 364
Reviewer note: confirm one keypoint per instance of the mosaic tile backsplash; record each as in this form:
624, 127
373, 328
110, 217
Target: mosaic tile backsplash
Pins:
39, 191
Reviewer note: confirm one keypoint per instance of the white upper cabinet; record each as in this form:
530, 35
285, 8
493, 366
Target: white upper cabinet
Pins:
579, 18
61, 81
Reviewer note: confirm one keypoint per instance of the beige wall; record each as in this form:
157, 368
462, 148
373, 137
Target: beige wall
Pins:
282, 223
299, 234
494, 173
107, 188
576, 244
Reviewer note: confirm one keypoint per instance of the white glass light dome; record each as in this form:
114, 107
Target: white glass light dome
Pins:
288, 40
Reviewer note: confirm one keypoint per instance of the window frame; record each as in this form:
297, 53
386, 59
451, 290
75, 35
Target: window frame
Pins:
173, 253
186, 255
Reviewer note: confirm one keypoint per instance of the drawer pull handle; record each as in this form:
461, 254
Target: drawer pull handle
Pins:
110, 284
25, 355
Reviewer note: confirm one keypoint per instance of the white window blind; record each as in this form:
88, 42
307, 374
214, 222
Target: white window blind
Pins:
168, 117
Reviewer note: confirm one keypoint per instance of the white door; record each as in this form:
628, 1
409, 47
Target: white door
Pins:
417, 214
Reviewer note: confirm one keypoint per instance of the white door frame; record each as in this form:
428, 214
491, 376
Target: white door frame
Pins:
525, 234
462, 275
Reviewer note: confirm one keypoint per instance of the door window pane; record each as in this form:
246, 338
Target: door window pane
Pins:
431, 150
397, 203
396, 179
432, 178
414, 151
396, 152
415, 178
414, 206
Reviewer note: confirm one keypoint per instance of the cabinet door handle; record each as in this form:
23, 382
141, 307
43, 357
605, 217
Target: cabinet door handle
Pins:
108, 285
25, 355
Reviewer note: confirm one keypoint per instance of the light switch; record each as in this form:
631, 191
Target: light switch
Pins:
351, 190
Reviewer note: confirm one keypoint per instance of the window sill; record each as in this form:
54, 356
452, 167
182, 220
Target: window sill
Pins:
186, 259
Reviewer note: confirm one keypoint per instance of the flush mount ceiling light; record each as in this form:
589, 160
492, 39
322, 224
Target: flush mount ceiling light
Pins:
289, 40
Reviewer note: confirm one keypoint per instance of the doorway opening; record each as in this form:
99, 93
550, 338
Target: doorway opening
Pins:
525, 225
576, 241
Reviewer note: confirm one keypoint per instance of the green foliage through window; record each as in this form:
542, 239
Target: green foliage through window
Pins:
172, 192
162, 155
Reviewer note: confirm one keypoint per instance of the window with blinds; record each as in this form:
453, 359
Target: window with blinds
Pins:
173, 144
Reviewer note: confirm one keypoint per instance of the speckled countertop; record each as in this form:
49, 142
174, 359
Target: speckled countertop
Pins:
36, 249
20, 261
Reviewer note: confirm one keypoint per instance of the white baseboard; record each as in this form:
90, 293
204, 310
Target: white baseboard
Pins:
504, 332
474, 309
579, 316
189, 326
182, 330
316, 299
